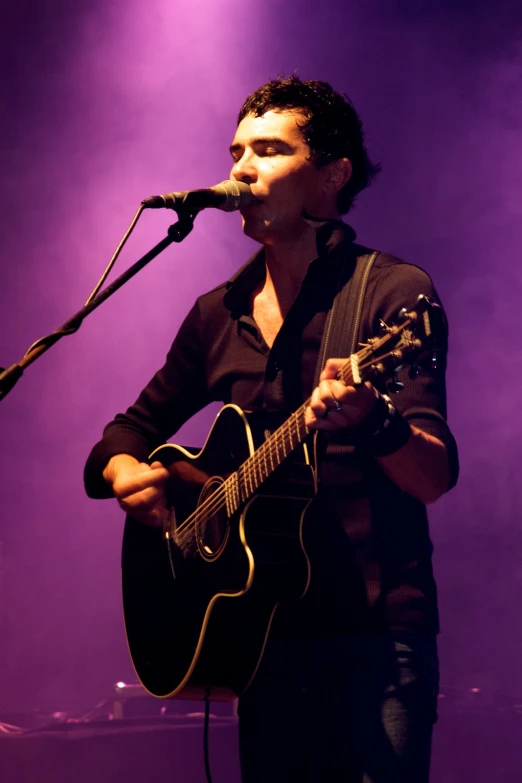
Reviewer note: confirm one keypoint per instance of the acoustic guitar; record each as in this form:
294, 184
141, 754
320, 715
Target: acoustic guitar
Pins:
199, 595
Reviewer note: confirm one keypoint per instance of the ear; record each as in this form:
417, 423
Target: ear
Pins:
336, 175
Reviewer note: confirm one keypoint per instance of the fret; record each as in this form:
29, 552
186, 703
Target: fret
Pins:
298, 416
276, 443
284, 449
299, 420
251, 476
290, 433
288, 437
264, 450
248, 477
287, 445
258, 476
236, 490
241, 483
295, 420
270, 454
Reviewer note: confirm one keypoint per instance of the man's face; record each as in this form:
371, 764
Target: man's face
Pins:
271, 155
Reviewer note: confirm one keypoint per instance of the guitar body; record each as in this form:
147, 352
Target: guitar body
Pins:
198, 603
199, 596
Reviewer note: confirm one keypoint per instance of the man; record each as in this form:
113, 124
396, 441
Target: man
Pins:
346, 690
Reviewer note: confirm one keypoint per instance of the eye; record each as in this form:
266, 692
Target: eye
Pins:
268, 151
236, 153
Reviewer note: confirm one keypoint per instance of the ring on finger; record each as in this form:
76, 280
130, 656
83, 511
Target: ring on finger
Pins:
337, 404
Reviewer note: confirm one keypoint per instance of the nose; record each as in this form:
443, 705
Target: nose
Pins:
244, 169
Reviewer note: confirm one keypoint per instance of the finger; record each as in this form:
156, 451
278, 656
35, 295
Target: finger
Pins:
159, 471
158, 477
147, 497
333, 421
141, 506
156, 465
347, 395
334, 405
337, 397
140, 481
318, 407
331, 369
318, 415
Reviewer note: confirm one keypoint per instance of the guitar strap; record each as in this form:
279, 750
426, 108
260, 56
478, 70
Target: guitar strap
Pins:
341, 332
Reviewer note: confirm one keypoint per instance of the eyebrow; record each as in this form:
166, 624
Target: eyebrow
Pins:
260, 140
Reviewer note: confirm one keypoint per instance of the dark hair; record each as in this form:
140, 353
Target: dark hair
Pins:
332, 128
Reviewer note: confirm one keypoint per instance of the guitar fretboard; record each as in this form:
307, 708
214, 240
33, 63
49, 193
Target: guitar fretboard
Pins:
241, 485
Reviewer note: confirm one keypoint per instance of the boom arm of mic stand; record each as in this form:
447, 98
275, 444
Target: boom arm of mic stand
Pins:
176, 233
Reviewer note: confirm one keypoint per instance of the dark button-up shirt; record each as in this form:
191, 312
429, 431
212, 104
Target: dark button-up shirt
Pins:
371, 551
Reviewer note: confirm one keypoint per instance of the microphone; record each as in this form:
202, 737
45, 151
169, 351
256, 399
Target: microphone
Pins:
228, 195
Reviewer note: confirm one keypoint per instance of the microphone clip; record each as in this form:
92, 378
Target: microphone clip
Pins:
178, 231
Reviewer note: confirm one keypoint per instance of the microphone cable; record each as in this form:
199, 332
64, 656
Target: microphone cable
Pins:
55, 336
205, 736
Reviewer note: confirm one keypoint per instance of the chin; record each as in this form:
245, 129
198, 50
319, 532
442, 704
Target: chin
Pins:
259, 230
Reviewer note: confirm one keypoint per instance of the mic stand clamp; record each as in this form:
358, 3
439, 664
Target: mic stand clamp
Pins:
183, 227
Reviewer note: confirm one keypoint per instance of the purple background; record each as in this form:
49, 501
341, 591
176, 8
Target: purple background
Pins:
107, 103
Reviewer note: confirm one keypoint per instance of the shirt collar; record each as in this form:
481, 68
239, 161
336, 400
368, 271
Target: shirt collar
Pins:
331, 235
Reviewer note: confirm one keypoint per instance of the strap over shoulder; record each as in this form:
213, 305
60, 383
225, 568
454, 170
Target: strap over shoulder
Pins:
341, 332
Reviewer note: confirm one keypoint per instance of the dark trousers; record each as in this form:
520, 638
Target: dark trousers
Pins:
341, 710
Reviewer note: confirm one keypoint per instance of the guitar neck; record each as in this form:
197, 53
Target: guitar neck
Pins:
241, 485
275, 449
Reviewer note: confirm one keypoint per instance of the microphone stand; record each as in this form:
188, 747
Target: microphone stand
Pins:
176, 233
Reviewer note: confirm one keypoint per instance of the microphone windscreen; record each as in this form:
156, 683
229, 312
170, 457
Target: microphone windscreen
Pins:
238, 194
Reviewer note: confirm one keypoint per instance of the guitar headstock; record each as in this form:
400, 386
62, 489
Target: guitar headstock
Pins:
413, 340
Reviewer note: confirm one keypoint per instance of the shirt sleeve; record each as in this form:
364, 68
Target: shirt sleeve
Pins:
175, 393
422, 401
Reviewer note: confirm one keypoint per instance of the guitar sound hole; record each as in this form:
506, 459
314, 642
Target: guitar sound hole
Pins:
212, 520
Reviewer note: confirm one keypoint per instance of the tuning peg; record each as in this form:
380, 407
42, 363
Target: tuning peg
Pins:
383, 326
395, 385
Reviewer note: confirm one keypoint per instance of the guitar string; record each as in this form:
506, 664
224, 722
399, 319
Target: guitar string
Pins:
252, 466
248, 471
217, 499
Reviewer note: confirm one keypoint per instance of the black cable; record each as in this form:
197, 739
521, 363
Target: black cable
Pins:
50, 339
176, 233
116, 254
205, 735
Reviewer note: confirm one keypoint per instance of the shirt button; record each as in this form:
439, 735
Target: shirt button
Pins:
272, 368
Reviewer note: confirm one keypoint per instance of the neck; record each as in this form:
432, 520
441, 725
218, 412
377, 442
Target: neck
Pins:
287, 261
